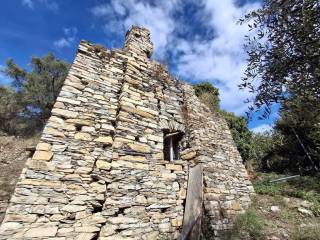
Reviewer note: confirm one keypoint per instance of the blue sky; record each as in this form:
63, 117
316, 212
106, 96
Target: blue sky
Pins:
200, 40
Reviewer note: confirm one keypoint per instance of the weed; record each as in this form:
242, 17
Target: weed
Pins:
287, 215
207, 232
306, 187
307, 233
249, 224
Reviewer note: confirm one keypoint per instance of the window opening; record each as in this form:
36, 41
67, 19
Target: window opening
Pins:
171, 148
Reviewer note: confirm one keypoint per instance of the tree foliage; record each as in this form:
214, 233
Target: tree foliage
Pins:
284, 67
266, 151
300, 124
25, 107
208, 94
9, 109
284, 52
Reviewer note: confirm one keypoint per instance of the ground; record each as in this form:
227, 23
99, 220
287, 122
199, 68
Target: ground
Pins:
285, 210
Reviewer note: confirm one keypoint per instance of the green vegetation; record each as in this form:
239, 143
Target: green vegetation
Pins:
261, 222
300, 128
208, 94
283, 55
26, 105
283, 52
249, 224
307, 233
307, 188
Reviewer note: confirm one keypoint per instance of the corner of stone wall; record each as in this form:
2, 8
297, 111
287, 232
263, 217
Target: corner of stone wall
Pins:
227, 189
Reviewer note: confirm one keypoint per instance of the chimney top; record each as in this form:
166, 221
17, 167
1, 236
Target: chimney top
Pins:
138, 41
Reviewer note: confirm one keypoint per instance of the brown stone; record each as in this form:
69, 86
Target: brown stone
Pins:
174, 167
54, 132
80, 121
43, 146
140, 148
39, 182
127, 164
101, 164
189, 155
133, 158
42, 155
236, 205
177, 222
64, 113
105, 140
83, 136
138, 112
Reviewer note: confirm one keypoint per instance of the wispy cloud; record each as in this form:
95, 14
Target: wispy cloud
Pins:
221, 59
262, 128
204, 44
68, 39
121, 15
49, 4
28, 3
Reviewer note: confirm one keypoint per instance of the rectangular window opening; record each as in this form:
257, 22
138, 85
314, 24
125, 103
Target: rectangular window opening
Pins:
171, 145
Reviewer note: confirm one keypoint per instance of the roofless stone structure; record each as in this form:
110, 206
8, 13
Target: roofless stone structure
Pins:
114, 158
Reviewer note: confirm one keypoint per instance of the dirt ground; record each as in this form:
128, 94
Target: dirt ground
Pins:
283, 219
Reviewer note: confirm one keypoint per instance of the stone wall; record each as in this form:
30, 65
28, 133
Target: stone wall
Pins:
98, 171
13, 156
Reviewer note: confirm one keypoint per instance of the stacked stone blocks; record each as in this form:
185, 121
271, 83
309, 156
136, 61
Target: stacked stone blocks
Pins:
99, 171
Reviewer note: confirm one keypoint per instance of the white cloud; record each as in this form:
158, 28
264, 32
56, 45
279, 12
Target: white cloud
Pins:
262, 128
62, 43
28, 3
123, 14
68, 39
220, 60
49, 4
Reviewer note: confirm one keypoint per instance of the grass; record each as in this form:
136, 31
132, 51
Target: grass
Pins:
249, 224
259, 222
306, 188
307, 233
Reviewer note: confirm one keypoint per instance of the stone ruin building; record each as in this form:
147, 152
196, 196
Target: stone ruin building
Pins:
114, 158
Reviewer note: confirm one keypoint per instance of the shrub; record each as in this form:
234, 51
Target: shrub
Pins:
248, 224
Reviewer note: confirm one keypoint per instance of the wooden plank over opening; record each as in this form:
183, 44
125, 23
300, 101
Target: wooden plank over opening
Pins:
193, 210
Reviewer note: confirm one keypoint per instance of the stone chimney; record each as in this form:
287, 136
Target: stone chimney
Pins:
138, 41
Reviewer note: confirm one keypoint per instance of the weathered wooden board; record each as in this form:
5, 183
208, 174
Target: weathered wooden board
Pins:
192, 214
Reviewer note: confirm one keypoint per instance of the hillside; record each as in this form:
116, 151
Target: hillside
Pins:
281, 211
13, 155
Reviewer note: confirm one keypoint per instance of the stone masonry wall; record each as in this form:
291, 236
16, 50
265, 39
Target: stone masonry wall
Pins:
98, 171
227, 189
